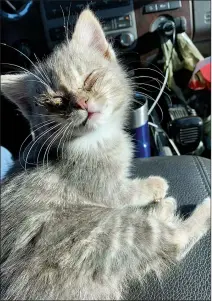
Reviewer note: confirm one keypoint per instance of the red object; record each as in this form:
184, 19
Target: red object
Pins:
201, 77
206, 72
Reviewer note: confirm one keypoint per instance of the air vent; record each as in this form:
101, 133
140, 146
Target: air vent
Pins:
189, 135
177, 112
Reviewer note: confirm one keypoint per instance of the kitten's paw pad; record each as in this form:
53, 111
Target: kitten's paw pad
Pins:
159, 187
170, 203
167, 208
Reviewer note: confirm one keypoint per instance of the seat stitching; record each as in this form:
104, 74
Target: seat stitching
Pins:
198, 170
205, 169
204, 175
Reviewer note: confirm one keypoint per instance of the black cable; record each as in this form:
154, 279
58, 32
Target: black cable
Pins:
173, 44
170, 58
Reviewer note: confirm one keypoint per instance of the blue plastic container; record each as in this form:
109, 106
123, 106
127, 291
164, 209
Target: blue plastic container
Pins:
140, 127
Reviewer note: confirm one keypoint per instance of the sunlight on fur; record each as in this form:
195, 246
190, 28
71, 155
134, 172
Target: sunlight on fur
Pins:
74, 225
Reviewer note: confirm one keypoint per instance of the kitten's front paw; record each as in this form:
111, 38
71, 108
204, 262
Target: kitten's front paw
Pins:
158, 186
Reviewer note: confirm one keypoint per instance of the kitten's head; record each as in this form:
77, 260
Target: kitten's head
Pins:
81, 84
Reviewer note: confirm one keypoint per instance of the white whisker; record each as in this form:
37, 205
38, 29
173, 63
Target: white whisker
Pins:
43, 124
148, 96
152, 78
26, 58
45, 143
67, 24
145, 84
27, 71
62, 138
57, 134
48, 115
145, 68
43, 70
64, 21
64, 141
26, 162
34, 141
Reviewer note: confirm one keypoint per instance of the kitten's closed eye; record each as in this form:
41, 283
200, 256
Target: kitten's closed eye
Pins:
59, 100
90, 81
55, 103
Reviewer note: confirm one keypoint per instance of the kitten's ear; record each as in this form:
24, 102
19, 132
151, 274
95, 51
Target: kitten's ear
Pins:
13, 87
88, 32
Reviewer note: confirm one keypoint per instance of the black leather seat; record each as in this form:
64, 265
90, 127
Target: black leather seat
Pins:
189, 179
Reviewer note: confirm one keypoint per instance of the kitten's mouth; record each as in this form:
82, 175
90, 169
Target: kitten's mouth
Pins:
90, 116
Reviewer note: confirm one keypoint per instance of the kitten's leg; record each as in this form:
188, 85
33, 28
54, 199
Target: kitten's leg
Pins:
166, 209
188, 231
151, 189
158, 186
193, 228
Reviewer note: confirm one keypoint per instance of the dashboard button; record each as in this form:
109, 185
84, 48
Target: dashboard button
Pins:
106, 4
123, 22
107, 24
175, 4
163, 6
150, 8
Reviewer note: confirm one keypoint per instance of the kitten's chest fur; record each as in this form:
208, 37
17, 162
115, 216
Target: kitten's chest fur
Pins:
95, 175
99, 172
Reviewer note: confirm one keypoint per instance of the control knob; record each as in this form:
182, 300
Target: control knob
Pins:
126, 39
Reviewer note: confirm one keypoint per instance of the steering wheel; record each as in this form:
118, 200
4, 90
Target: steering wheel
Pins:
16, 11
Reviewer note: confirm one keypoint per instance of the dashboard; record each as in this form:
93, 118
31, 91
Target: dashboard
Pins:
127, 23
36, 27
117, 18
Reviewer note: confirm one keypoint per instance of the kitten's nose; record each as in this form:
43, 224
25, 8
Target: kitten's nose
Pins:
82, 103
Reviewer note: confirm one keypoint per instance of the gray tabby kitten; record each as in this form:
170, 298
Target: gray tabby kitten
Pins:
75, 226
